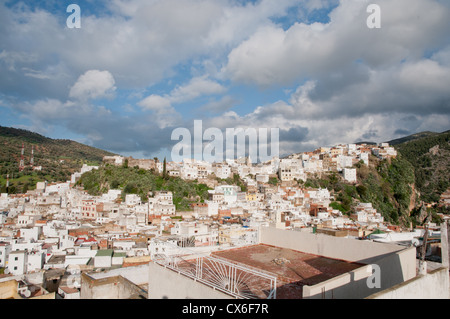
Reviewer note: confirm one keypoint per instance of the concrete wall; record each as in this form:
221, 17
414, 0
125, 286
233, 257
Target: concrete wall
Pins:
164, 283
396, 263
328, 246
434, 285
351, 285
8, 289
115, 287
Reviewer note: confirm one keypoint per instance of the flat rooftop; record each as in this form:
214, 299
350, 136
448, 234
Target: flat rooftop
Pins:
293, 269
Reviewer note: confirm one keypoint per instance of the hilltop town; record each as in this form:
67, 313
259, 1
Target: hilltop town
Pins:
57, 237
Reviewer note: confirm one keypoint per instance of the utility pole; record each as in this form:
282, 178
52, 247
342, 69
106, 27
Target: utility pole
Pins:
22, 161
422, 262
445, 253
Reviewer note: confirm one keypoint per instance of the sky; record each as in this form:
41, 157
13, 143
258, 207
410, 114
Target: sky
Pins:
136, 70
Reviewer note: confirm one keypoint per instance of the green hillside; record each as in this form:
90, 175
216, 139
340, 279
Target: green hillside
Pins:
132, 180
429, 154
412, 137
387, 184
398, 187
58, 158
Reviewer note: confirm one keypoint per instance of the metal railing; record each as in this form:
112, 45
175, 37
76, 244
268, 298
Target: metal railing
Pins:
230, 277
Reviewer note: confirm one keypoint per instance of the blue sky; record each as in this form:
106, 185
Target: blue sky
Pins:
138, 69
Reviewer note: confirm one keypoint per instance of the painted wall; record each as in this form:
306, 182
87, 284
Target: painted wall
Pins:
164, 283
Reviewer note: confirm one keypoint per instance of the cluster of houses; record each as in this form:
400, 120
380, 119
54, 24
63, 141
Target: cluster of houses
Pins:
58, 226
340, 158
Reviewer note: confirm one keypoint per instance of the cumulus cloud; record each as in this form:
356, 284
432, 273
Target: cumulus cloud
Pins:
273, 55
219, 106
93, 84
343, 82
197, 87
156, 103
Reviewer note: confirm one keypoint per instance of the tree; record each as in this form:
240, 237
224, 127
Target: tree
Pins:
164, 169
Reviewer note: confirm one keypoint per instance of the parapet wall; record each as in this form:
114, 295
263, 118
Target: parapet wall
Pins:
434, 285
167, 284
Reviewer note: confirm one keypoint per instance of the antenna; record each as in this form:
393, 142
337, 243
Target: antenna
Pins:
32, 156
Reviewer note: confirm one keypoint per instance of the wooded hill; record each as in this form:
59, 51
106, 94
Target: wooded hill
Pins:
429, 154
398, 187
58, 158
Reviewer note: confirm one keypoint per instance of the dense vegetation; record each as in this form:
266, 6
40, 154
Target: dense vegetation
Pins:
398, 188
429, 155
385, 184
58, 158
133, 180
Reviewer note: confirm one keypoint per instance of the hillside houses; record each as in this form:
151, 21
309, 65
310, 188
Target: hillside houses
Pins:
60, 226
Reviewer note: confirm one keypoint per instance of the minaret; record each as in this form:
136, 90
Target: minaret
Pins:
22, 162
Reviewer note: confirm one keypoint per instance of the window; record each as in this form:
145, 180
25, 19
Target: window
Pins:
16, 258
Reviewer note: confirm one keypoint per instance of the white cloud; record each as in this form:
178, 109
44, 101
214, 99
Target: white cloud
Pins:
196, 87
93, 84
156, 103
346, 82
272, 55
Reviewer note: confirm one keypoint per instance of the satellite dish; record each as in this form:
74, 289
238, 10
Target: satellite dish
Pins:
27, 293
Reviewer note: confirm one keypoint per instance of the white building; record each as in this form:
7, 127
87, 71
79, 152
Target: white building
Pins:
3, 201
35, 260
27, 220
364, 157
290, 169
17, 263
103, 258
349, 174
30, 234
112, 195
189, 170
3, 218
5, 249
229, 192
132, 200
213, 208
345, 161
164, 197
222, 170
